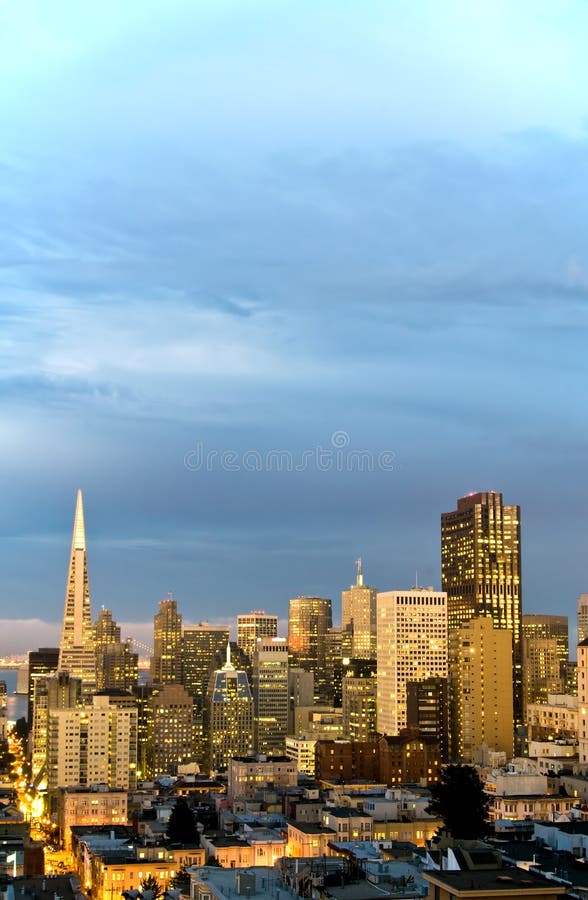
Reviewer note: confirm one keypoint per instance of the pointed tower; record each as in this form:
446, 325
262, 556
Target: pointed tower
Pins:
359, 611
76, 650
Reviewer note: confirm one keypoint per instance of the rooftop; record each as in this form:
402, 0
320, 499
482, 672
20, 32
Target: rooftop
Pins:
224, 883
507, 880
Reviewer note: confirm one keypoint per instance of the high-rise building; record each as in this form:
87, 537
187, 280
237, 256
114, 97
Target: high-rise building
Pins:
230, 715
106, 631
300, 693
270, 694
42, 662
58, 691
582, 617
200, 646
309, 620
359, 610
412, 646
359, 699
338, 655
481, 571
546, 627
117, 667
166, 662
583, 705
172, 722
542, 670
427, 710
481, 690
76, 650
254, 625
92, 744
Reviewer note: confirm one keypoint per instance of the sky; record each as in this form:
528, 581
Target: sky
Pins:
279, 282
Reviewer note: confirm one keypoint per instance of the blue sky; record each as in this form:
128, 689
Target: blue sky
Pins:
245, 227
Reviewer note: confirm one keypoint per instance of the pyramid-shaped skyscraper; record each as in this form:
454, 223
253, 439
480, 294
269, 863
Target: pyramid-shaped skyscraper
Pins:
76, 650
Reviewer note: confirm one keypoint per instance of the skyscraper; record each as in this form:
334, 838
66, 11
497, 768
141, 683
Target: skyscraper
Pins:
481, 570
229, 715
359, 610
270, 694
42, 662
309, 620
200, 645
539, 625
254, 625
166, 662
481, 690
360, 699
172, 723
76, 650
412, 646
582, 617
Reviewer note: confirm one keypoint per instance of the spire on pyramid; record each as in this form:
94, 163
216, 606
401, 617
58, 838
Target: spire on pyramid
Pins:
79, 531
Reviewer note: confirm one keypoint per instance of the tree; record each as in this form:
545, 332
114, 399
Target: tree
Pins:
181, 828
151, 884
180, 880
460, 800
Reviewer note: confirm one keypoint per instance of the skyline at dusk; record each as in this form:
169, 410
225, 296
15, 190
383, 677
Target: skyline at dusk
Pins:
277, 232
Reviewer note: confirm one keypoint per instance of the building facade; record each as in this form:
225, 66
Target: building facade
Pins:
270, 694
308, 622
412, 646
359, 610
254, 625
481, 571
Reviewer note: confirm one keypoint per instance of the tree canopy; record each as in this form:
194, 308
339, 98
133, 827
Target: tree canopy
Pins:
151, 884
460, 800
181, 828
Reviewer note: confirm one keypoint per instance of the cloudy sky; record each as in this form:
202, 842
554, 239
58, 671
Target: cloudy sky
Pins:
228, 229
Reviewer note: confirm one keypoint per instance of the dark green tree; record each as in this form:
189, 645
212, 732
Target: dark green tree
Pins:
150, 883
460, 800
180, 880
181, 828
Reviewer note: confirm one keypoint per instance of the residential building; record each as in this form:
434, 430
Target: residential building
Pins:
557, 719
97, 805
92, 744
301, 750
481, 689
582, 617
583, 705
247, 775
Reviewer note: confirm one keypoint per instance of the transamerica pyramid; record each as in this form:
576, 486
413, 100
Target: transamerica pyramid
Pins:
76, 650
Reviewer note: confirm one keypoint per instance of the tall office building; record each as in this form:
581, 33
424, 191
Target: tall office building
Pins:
359, 610
76, 650
481, 571
172, 729
42, 662
200, 645
309, 620
300, 694
427, 710
338, 655
166, 662
230, 715
117, 667
412, 646
254, 625
582, 617
550, 627
360, 699
270, 695
106, 631
542, 670
481, 689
